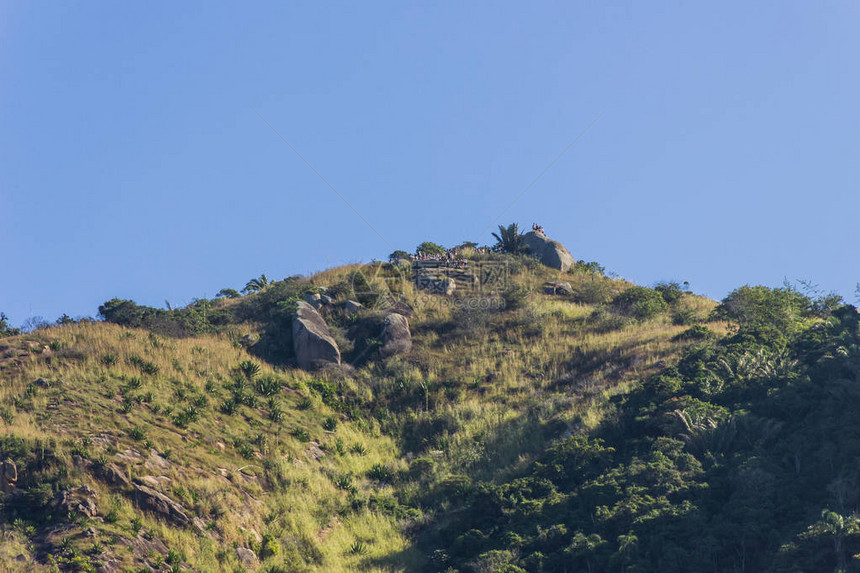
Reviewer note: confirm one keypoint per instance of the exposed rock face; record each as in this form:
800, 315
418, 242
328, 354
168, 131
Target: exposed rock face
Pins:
550, 253
314, 299
396, 337
554, 287
248, 558
352, 306
80, 500
249, 340
148, 499
113, 475
431, 275
397, 303
435, 284
8, 476
156, 463
312, 340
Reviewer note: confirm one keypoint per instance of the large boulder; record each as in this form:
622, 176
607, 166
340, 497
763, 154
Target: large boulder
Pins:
395, 337
550, 253
312, 340
555, 287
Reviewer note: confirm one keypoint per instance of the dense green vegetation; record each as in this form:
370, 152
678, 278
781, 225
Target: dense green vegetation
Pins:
744, 456
613, 428
5, 329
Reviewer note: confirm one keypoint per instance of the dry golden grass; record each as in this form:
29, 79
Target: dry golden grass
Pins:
205, 471
498, 376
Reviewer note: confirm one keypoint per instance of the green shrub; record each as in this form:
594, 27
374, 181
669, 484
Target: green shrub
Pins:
398, 254
381, 473
267, 386
275, 413
429, 248
190, 414
228, 293
137, 433
343, 481
228, 407
301, 435
670, 291
5, 329
144, 366
515, 297
249, 369
328, 393
245, 450
590, 268
269, 547
598, 291
174, 557
136, 525
421, 467
358, 548
770, 314
697, 332
639, 302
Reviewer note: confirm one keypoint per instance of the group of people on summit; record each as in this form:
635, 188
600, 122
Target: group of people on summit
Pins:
452, 257
449, 258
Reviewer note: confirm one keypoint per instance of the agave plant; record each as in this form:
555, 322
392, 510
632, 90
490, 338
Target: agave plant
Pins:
249, 369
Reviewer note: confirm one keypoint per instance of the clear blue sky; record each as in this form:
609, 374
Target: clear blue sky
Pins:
133, 163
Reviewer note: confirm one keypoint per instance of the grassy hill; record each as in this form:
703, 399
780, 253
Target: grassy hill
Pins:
614, 427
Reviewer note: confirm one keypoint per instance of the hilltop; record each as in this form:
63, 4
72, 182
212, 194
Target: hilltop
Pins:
467, 410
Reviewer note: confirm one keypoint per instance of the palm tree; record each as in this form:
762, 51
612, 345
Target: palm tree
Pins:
627, 545
509, 239
256, 285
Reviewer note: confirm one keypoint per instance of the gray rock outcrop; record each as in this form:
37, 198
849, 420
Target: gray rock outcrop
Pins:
554, 287
156, 502
550, 253
395, 337
314, 299
312, 340
352, 306
112, 475
8, 476
80, 500
248, 558
434, 283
